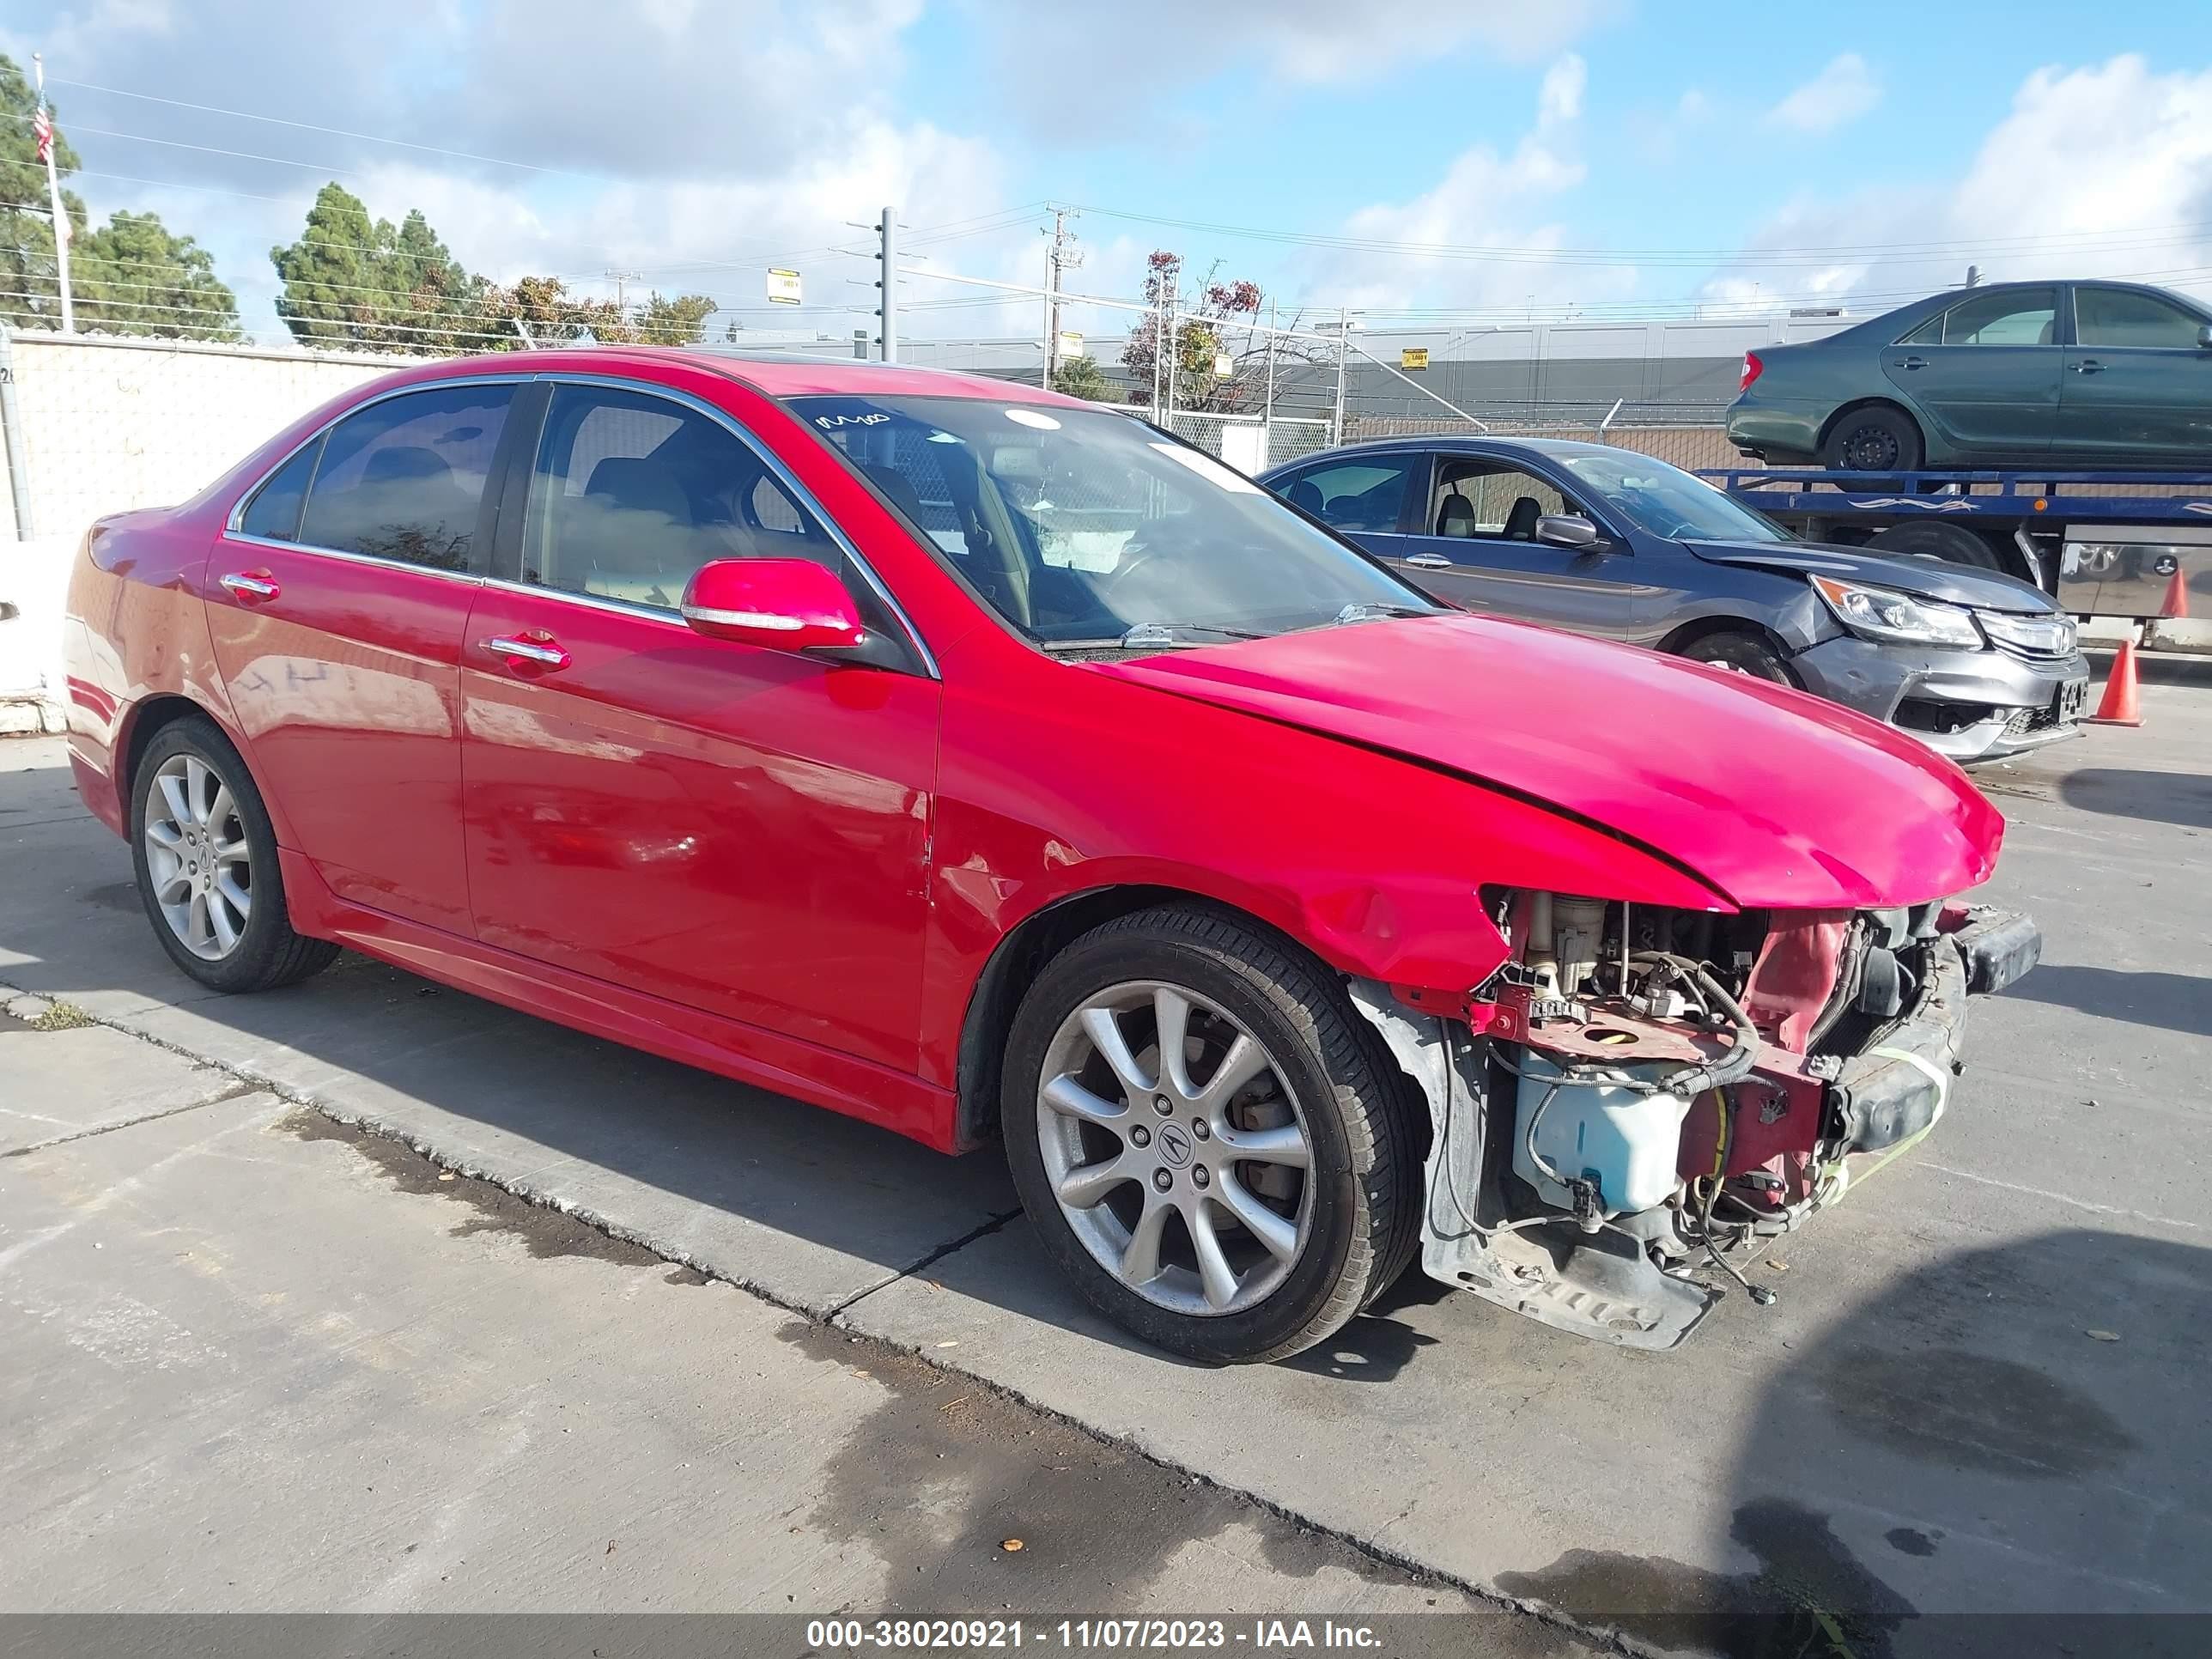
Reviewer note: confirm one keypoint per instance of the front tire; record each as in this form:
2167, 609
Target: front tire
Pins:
205, 854
1741, 653
1238, 1192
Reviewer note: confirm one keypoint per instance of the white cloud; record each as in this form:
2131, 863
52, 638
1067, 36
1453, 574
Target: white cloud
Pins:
1842, 92
1486, 199
1144, 50
694, 141
1560, 100
2102, 171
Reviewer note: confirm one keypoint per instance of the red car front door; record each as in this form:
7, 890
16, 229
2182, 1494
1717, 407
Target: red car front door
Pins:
337, 601
742, 830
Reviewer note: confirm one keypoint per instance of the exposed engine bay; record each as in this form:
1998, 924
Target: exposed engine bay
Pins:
1639, 1097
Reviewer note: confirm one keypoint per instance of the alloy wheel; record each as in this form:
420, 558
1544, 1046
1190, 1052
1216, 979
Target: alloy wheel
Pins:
1177, 1149
196, 858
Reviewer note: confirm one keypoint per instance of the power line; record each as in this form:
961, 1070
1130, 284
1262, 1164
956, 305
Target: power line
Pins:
336, 133
1812, 252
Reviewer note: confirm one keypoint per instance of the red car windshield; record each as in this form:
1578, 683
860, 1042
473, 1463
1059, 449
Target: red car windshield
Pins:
1086, 527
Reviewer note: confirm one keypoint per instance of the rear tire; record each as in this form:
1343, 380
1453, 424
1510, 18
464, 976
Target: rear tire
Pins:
205, 854
1741, 653
1874, 438
1127, 1168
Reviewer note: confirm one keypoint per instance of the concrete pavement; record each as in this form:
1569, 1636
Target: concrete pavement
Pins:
262, 1362
1924, 1424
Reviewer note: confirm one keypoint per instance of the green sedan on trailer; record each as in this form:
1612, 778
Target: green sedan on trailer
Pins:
2077, 375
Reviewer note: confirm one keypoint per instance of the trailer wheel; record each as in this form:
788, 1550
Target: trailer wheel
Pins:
1954, 543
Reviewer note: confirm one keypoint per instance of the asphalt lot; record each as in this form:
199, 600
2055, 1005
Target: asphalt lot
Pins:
1982, 1390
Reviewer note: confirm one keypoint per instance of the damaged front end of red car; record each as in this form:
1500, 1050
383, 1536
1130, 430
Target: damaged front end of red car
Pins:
1640, 1098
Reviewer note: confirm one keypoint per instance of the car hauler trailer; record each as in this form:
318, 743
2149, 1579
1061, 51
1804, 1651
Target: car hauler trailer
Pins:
2131, 545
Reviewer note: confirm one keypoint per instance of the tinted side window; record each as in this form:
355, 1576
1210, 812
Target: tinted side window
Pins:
631, 492
2114, 317
274, 513
1928, 333
2022, 317
404, 478
1364, 495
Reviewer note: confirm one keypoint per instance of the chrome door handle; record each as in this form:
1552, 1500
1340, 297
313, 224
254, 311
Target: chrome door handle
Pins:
2087, 366
1913, 362
1429, 561
538, 653
253, 587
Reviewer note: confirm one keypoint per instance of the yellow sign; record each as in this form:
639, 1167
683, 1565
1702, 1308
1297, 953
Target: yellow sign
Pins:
783, 287
1413, 357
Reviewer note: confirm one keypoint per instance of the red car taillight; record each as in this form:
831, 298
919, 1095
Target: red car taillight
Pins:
1752, 368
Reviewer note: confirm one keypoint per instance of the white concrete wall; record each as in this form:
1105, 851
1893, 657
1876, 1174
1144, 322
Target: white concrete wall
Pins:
109, 424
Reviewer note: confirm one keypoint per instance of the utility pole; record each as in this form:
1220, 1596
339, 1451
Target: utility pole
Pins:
1343, 351
620, 279
1061, 256
887, 257
1267, 401
43, 126
1175, 351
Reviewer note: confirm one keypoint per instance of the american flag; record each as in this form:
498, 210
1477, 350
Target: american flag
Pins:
42, 129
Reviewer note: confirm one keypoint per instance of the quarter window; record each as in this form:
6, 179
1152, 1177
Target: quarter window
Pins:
2018, 317
404, 478
1363, 496
631, 494
2113, 317
274, 513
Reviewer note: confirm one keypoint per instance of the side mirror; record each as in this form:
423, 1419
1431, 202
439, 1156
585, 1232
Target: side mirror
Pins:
2204, 336
787, 604
1567, 530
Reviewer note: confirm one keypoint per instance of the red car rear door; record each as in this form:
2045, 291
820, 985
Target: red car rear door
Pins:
339, 597
742, 830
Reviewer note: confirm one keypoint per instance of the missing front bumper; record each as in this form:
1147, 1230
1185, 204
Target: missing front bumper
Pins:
1607, 1285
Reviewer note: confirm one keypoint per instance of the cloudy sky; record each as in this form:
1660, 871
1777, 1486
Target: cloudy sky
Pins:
1417, 159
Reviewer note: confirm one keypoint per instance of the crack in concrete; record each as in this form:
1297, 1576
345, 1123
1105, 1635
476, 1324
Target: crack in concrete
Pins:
935, 1256
239, 1090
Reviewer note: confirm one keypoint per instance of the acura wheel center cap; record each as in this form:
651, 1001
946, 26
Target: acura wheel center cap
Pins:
1175, 1146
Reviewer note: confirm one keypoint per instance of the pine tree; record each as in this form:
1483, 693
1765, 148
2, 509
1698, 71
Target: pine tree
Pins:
336, 290
132, 276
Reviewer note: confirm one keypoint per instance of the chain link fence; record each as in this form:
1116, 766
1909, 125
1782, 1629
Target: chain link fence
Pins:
1690, 436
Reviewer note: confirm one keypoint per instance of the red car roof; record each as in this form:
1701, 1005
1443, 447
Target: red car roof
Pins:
774, 376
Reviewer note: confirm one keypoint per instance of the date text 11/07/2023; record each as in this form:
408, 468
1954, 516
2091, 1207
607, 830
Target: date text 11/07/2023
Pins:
1252, 1635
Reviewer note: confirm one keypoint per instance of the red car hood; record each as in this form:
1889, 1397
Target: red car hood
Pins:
1775, 799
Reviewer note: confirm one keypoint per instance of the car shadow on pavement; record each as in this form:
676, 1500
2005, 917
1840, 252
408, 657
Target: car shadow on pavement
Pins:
811, 1208
2000, 1452
2175, 1002
2155, 797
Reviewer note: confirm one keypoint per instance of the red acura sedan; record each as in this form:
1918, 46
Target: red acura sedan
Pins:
982, 763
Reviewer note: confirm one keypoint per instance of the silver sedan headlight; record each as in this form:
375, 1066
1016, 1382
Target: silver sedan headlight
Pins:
1882, 613
2050, 635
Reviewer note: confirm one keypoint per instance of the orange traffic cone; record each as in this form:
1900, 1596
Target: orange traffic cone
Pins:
2120, 705
2177, 598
